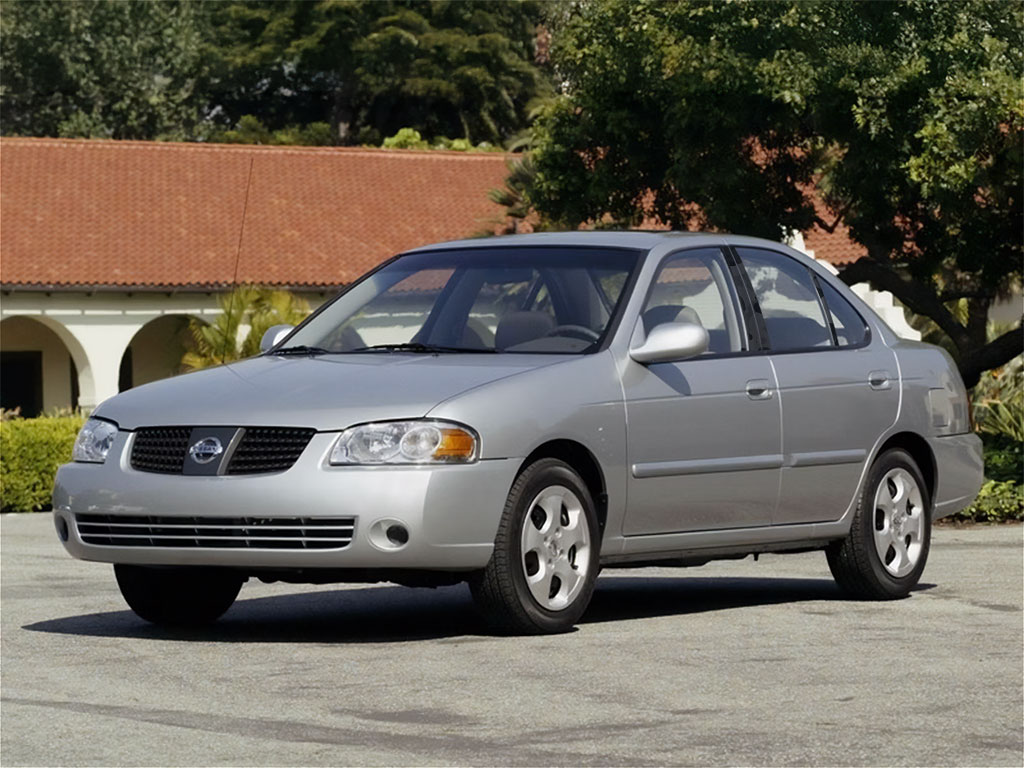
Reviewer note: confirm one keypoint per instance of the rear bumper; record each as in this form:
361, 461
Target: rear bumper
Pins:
960, 471
451, 512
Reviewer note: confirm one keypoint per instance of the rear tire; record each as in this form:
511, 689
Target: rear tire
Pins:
885, 552
541, 575
180, 597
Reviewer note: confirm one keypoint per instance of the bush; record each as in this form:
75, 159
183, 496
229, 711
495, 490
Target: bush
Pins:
1004, 458
997, 502
1001, 498
30, 452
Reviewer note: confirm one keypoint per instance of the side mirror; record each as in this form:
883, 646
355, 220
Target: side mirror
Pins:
273, 335
670, 342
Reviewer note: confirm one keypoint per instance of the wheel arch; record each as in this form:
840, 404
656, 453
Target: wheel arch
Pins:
920, 451
586, 465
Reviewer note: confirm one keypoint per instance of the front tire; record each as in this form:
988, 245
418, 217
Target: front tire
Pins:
885, 552
179, 597
541, 576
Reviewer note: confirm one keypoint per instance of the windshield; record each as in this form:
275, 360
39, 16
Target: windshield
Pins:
515, 300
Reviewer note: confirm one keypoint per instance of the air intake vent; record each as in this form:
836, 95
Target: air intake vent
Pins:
216, 532
268, 449
261, 449
160, 449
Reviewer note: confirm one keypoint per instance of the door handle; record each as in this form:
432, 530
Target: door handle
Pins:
879, 380
759, 389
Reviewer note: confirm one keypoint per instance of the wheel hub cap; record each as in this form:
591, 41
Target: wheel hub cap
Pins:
555, 545
899, 522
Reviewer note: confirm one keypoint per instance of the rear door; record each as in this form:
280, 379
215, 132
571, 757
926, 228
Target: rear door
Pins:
838, 387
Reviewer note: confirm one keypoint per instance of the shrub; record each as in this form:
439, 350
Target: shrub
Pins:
1004, 458
30, 452
406, 138
1001, 498
999, 401
997, 502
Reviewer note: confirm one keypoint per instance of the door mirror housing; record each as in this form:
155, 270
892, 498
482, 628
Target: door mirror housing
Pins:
274, 334
670, 342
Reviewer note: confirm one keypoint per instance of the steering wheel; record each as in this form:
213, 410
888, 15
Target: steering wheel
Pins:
575, 332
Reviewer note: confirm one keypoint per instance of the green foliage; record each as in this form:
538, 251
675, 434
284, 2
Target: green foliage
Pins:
286, 72
259, 308
92, 68
1004, 458
997, 502
250, 130
30, 452
406, 138
410, 138
999, 402
907, 116
369, 69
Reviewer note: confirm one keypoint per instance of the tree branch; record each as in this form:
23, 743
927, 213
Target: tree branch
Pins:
953, 294
992, 355
917, 297
831, 228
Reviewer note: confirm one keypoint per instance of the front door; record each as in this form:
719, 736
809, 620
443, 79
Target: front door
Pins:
704, 435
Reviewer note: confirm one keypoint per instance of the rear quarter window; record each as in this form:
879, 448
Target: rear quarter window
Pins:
851, 330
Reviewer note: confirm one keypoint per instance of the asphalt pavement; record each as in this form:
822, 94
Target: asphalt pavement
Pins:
735, 663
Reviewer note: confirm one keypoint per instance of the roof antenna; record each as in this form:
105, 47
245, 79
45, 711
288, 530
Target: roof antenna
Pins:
238, 257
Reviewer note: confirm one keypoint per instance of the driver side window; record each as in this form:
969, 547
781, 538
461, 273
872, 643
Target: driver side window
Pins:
694, 286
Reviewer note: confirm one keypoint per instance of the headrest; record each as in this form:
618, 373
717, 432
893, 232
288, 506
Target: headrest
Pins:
518, 327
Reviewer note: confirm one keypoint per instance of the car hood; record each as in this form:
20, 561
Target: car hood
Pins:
326, 392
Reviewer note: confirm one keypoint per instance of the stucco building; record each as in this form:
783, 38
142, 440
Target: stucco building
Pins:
107, 248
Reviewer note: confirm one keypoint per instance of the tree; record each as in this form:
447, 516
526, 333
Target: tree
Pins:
905, 117
102, 69
460, 69
259, 308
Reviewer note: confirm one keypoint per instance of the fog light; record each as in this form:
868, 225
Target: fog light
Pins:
398, 535
388, 535
62, 527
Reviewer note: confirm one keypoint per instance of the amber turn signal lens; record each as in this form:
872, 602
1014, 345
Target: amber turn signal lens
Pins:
455, 444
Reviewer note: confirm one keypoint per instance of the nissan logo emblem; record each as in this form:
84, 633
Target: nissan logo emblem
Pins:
206, 450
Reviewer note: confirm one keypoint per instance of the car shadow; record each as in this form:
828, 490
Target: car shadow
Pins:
402, 614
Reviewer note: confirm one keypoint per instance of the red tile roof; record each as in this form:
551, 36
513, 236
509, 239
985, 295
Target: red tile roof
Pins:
125, 214
106, 213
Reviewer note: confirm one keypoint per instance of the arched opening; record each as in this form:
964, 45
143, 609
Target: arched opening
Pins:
37, 369
155, 351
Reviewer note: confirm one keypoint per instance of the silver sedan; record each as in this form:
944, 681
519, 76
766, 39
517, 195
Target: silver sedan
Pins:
521, 412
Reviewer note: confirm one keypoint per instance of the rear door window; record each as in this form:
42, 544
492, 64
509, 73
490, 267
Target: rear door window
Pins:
792, 310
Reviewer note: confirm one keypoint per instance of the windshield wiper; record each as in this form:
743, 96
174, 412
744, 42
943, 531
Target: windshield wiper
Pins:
299, 349
415, 346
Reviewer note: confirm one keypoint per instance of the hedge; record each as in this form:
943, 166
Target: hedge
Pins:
30, 452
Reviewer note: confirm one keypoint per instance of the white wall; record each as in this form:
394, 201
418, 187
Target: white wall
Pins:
96, 328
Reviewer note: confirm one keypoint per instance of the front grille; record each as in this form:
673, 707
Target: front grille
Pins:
268, 449
261, 449
216, 532
160, 449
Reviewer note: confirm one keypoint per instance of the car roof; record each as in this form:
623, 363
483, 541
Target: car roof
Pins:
639, 239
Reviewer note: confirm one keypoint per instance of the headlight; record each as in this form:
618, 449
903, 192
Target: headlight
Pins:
94, 441
406, 442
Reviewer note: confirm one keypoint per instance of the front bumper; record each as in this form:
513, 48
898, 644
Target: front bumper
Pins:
960, 472
451, 513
